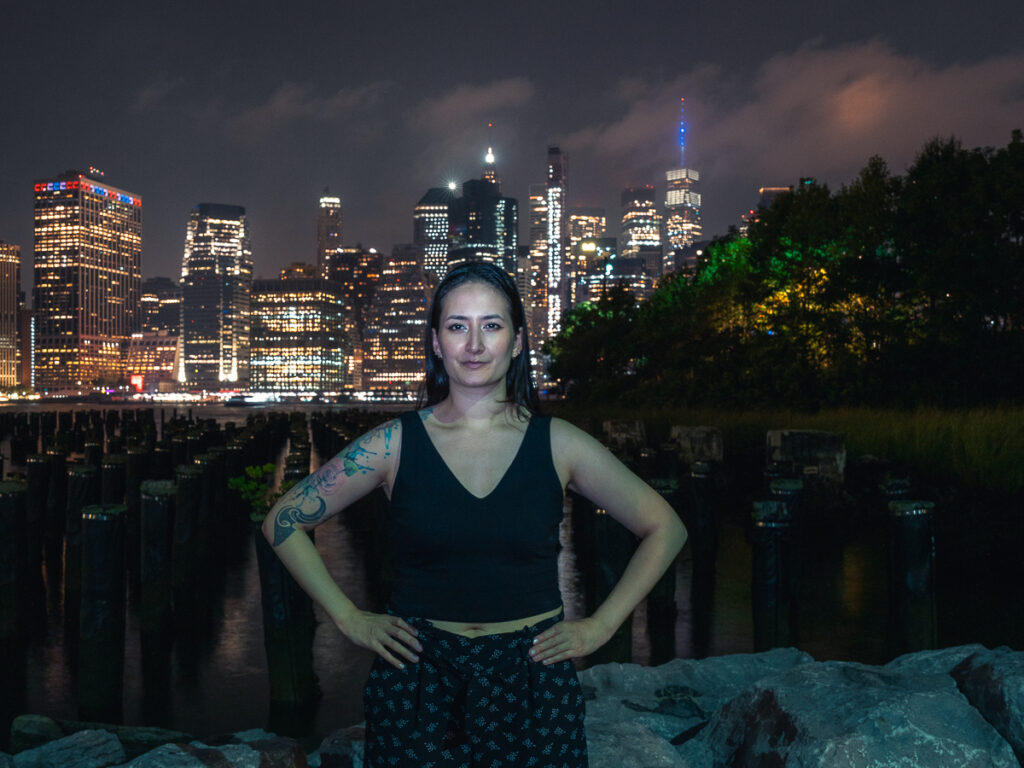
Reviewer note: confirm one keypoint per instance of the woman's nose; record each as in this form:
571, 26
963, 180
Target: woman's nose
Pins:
475, 340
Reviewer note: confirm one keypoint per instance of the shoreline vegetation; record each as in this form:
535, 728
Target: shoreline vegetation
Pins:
974, 448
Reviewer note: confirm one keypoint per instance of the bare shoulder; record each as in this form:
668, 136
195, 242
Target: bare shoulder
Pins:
573, 449
567, 437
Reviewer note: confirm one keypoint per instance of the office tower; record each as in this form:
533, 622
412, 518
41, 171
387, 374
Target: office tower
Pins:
357, 270
604, 269
557, 238
490, 169
682, 204
483, 225
765, 197
537, 301
328, 230
216, 286
88, 244
583, 223
10, 275
430, 229
298, 270
26, 343
300, 340
161, 305
641, 229
152, 361
396, 326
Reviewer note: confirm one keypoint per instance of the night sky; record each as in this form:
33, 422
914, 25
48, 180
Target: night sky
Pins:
264, 104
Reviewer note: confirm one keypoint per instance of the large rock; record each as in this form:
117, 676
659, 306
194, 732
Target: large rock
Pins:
29, 731
853, 715
342, 749
85, 749
993, 681
269, 752
941, 661
629, 745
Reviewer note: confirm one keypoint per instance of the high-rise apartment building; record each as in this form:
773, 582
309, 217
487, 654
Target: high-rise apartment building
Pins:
396, 327
300, 340
557, 238
216, 287
328, 231
430, 229
605, 269
87, 276
10, 275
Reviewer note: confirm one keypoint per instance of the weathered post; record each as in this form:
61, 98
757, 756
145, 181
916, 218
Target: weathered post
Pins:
188, 479
102, 617
773, 597
112, 483
156, 553
37, 476
83, 490
288, 628
912, 610
12, 516
93, 453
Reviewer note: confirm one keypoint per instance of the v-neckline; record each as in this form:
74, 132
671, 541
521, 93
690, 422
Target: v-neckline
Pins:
454, 477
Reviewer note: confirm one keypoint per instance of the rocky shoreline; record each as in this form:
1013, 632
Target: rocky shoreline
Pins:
955, 707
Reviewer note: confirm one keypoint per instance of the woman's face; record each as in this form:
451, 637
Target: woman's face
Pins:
475, 339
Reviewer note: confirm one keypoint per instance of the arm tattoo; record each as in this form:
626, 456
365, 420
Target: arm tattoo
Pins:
305, 504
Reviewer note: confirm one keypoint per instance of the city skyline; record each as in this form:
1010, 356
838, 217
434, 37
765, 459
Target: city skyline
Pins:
265, 108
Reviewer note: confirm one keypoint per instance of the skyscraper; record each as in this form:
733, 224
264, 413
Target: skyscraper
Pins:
10, 274
161, 305
328, 231
397, 322
641, 229
430, 229
300, 342
557, 238
483, 224
682, 205
216, 286
584, 223
87, 275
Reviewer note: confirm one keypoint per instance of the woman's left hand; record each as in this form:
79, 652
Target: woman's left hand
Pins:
568, 640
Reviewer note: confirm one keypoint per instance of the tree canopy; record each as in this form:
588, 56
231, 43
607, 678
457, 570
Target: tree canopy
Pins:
895, 290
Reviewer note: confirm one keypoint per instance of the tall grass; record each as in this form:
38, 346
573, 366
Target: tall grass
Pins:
972, 448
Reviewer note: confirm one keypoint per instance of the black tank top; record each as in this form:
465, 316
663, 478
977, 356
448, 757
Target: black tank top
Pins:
457, 557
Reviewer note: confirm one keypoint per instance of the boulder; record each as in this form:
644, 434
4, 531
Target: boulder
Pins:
84, 749
28, 731
342, 749
629, 745
840, 713
269, 752
993, 681
937, 662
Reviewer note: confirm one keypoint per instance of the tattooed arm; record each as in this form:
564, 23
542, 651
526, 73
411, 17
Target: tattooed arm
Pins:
364, 465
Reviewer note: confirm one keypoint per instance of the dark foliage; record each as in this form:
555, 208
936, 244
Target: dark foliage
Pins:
895, 290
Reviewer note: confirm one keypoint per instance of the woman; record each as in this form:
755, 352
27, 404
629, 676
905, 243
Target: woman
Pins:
474, 658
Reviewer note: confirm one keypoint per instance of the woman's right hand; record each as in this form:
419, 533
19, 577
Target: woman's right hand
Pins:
390, 637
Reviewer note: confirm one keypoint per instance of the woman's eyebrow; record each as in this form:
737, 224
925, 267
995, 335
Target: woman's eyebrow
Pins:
466, 317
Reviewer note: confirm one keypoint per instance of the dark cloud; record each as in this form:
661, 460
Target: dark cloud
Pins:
810, 112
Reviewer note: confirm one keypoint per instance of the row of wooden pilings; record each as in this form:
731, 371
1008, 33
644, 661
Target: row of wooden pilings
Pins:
146, 523
803, 477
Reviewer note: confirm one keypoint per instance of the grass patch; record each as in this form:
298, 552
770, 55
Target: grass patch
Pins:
972, 448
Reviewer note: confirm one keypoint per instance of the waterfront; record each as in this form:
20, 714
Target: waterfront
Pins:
210, 677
